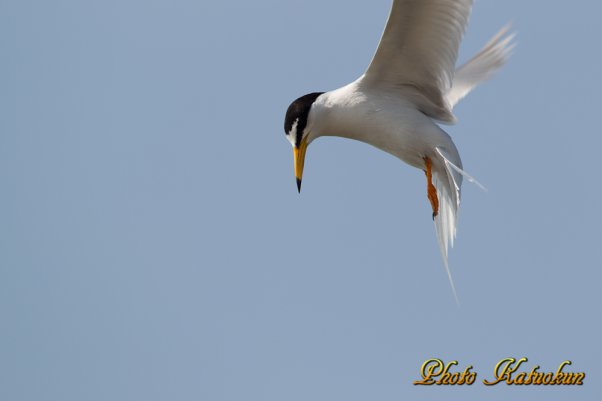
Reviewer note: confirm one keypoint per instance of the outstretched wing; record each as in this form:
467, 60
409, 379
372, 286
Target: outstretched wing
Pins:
418, 50
482, 66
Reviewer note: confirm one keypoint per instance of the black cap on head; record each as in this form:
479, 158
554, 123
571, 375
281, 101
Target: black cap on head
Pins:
298, 113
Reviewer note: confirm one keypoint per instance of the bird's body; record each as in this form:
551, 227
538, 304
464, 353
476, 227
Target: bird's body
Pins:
384, 120
409, 87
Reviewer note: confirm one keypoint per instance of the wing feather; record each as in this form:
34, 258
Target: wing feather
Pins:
418, 50
482, 66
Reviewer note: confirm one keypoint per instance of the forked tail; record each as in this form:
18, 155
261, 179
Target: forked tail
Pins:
448, 188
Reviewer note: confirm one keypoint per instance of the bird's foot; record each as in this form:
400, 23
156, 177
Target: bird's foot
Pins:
430, 188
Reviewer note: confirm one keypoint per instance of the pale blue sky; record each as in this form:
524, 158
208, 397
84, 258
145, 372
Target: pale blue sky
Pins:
153, 245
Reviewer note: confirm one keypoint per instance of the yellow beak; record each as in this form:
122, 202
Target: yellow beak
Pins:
299, 154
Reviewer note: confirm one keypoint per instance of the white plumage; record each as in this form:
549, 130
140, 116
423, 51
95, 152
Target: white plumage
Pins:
410, 85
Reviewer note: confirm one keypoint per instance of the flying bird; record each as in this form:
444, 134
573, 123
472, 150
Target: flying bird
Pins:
410, 86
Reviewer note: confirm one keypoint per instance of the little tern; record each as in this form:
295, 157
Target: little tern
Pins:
410, 86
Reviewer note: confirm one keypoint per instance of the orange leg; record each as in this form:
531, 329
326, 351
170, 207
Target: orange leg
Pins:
431, 190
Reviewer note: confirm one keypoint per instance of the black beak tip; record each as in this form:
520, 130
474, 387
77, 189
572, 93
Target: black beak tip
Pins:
299, 185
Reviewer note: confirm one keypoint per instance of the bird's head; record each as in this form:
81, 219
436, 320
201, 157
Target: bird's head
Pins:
297, 131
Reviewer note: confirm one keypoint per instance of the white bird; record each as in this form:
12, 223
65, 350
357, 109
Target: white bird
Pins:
410, 85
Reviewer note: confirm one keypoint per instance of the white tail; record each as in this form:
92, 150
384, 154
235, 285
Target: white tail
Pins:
448, 188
